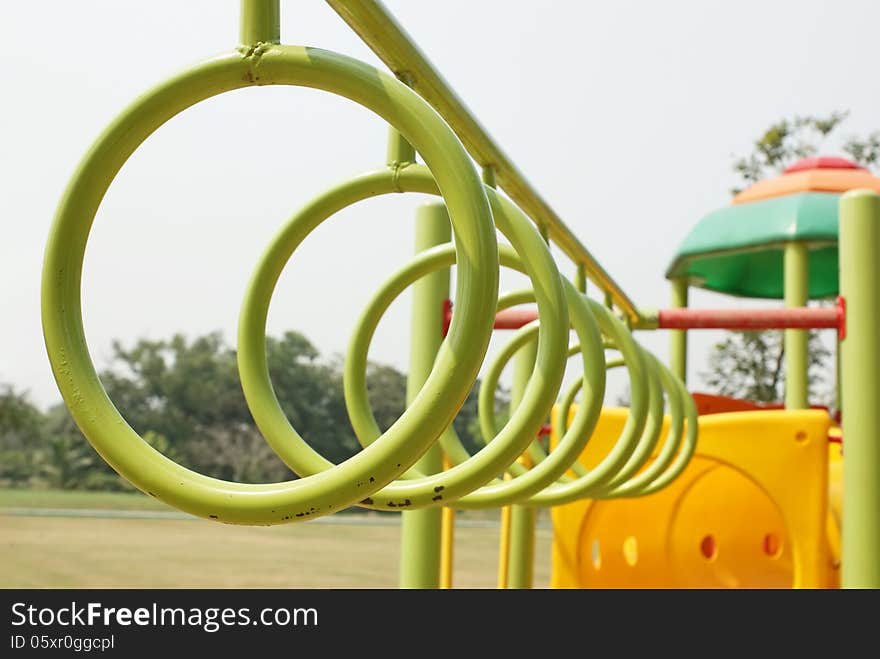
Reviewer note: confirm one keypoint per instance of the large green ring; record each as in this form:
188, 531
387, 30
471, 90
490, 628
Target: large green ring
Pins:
95, 414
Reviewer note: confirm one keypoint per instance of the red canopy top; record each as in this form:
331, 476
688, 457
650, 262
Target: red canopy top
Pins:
821, 162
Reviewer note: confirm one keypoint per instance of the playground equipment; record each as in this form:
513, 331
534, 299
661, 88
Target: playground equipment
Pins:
734, 518
402, 469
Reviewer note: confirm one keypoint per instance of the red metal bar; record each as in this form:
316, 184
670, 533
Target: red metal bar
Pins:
688, 318
755, 319
509, 319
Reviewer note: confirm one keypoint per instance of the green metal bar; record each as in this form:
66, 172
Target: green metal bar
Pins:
260, 21
421, 529
678, 338
860, 287
521, 557
838, 372
384, 35
796, 295
399, 150
580, 279
447, 540
545, 233
489, 177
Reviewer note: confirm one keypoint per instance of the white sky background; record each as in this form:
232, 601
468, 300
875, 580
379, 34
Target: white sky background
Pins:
624, 115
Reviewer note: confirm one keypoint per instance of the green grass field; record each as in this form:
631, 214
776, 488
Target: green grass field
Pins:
52, 539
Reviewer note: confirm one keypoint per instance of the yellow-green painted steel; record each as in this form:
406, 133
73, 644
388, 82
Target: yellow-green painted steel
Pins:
860, 352
580, 279
456, 368
447, 540
678, 338
521, 561
420, 529
260, 22
796, 295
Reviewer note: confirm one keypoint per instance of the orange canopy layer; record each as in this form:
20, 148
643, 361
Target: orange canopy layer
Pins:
812, 180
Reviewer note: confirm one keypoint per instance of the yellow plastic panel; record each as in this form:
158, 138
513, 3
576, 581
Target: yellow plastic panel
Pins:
750, 511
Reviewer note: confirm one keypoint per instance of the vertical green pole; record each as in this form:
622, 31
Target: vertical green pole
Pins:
504, 540
521, 559
420, 529
609, 300
489, 176
678, 348
796, 295
838, 397
447, 539
260, 21
860, 354
399, 150
545, 232
580, 279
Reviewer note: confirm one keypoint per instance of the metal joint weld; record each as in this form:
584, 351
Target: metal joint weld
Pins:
252, 54
396, 169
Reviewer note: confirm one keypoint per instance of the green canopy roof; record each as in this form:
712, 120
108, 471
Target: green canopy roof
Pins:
739, 249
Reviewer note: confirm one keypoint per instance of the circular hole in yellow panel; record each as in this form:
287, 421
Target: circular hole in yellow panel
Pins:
631, 551
596, 554
708, 547
800, 436
772, 545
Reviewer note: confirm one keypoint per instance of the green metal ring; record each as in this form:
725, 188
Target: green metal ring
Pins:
498, 492
435, 489
655, 476
548, 469
634, 482
357, 404
566, 489
95, 414
650, 434
627, 445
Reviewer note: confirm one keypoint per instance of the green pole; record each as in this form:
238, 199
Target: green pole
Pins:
838, 393
796, 295
580, 279
522, 518
260, 21
860, 355
421, 529
399, 150
489, 176
678, 349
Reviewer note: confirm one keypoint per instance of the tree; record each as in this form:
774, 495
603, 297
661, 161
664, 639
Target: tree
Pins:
20, 434
187, 395
66, 461
750, 364
184, 397
799, 137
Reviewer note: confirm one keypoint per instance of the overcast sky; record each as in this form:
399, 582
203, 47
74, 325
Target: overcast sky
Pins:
624, 115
